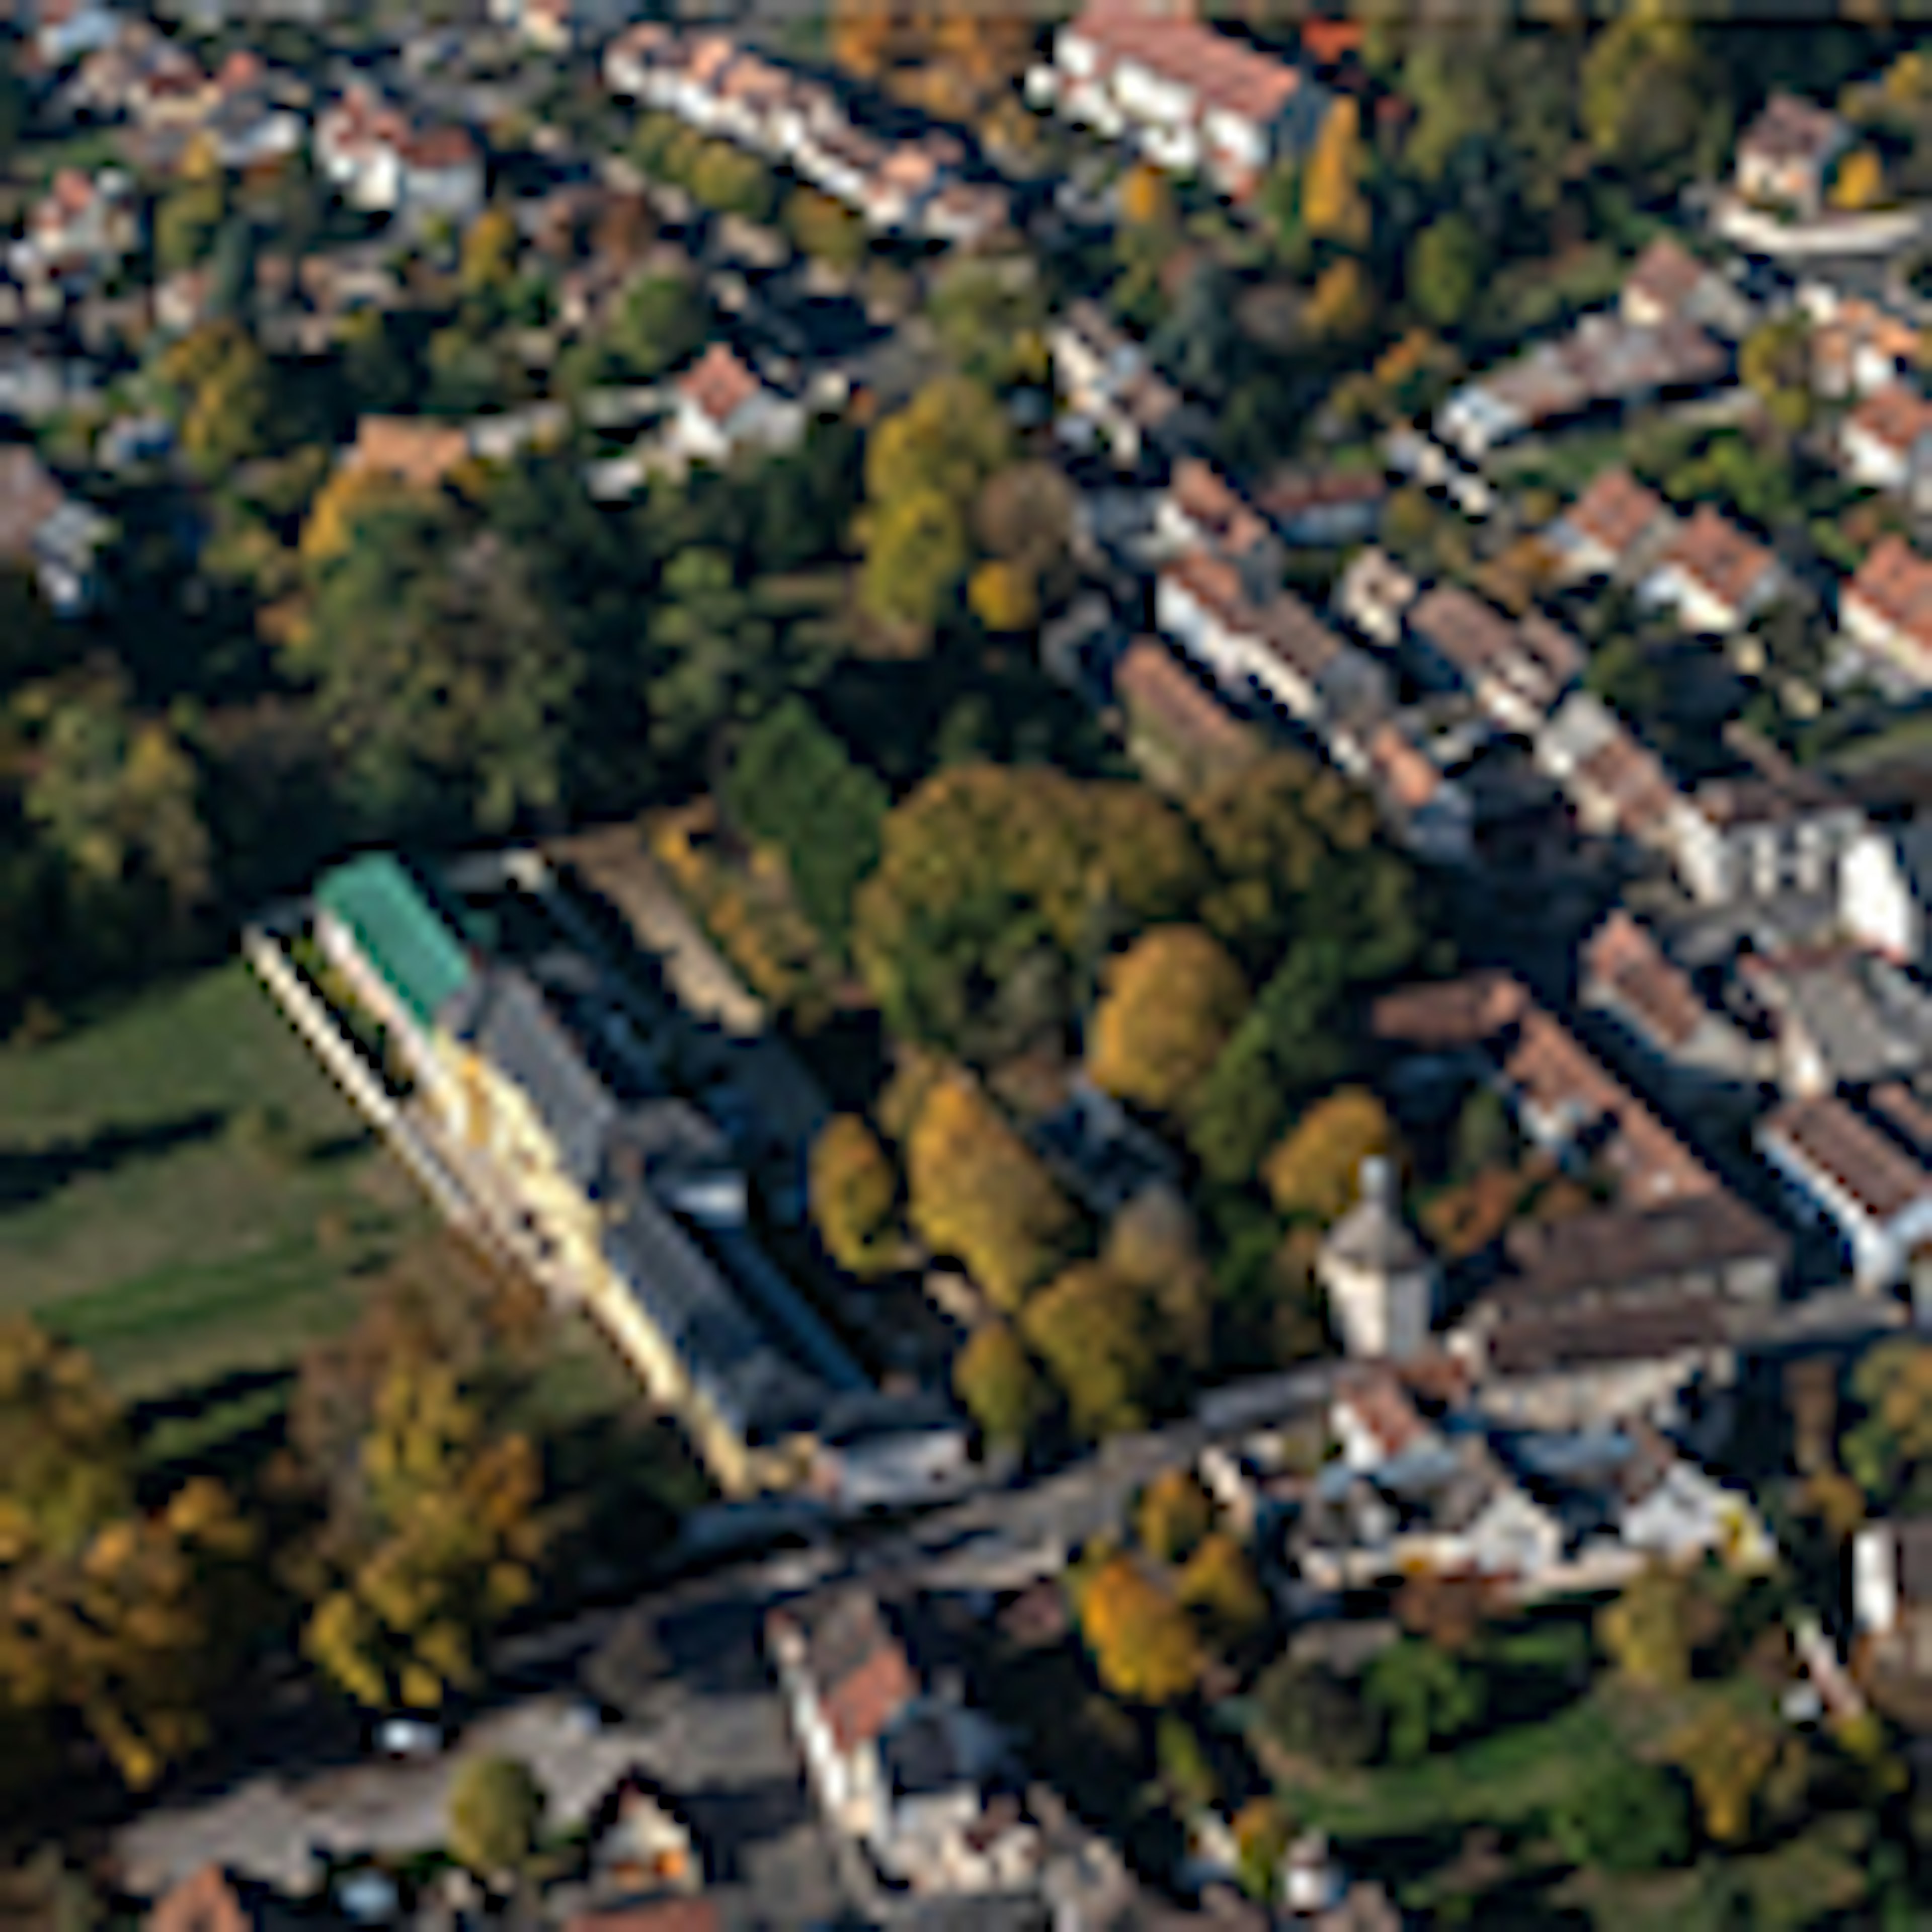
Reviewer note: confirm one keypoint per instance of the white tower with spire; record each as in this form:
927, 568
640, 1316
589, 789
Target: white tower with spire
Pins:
1380, 1278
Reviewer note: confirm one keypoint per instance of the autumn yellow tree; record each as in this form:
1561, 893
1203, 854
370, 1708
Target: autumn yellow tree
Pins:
117, 1619
1654, 1629
1002, 596
1859, 182
1004, 1393
1142, 1640
1175, 1515
1738, 1760
1100, 1342
1153, 1244
1219, 1584
489, 253
1334, 206
1315, 1169
1147, 199
350, 497
444, 1547
979, 1193
1172, 1000
854, 1198
1341, 304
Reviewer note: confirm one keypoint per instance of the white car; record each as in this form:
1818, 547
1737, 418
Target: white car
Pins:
411, 1738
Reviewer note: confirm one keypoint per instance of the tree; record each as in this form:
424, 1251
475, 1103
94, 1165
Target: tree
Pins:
1003, 596
1735, 1758
1445, 269
1185, 1767
989, 314
1219, 1584
949, 438
1645, 90
1142, 1640
496, 1812
1263, 1830
995, 1377
979, 1193
1630, 1817
349, 498
1858, 184
1342, 305
490, 252
660, 321
825, 228
1424, 1696
1776, 362
731, 182
1485, 1138
855, 1197
1653, 1629
1173, 999
996, 885
1311, 1714
441, 677
1099, 1340
1889, 1452
1146, 196
1333, 206
1174, 1516
916, 555
1316, 1170
438, 1549
223, 378
793, 785
1024, 514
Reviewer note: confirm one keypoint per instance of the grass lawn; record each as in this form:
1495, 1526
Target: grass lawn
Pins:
1499, 1780
144, 1213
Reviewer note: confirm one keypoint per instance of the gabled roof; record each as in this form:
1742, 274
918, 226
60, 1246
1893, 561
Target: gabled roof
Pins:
1894, 416
1793, 129
205, 1901
1616, 511
1626, 962
1897, 583
1717, 555
414, 450
408, 943
719, 384
856, 1664
29, 497
1222, 71
1474, 636
1825, 1135
1154, 684
1206, 498
1667, 274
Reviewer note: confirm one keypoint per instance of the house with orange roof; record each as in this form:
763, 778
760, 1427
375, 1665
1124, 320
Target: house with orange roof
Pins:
1627, 976
1615, 529
1200, 509
385, 163
1885, 442
1785, 157
1712, 576
908, 1771
79, 232
1188, 97
1615, 783
1886, 609
1668, 283
1429, 813
722, 406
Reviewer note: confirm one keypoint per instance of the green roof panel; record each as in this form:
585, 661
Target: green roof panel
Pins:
408, 943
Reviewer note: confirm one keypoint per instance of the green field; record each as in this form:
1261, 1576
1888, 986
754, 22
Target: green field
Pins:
183, 1193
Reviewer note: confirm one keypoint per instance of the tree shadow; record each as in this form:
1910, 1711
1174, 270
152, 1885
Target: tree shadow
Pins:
29, 1176
728, 1823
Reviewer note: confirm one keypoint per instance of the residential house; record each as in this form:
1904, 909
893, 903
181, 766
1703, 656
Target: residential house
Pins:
1604, 363
82, 230
1843, 1166
722, 407
212, 1899
1201, 510
1517, 670
1614, 782
1324, 509
1886, 443
63, 31
1841, 1018
1785, 157
1891, 1591
1886, 609
912, 1774
1627, 975
1884, 891
46, 531
1278, 650
1563, 1097
1177, 727
1857, 347
422, 451
1615, 529
1616, 1310
1109, 388
1670, 284
1759, 835
1427, 811
382, 163
1188, 97
1712, 576
1374, 595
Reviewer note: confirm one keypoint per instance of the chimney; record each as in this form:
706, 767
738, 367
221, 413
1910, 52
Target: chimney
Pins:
1378, 1182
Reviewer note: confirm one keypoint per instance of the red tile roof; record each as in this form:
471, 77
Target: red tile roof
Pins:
1207, 498
719, 384
1894, 416
662, 1915
1616, 511
1223, 72
1717, 555
1151, 683
1624, 959
1897, 583
1793, 129
206, 1901
29, 496
1667, 273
